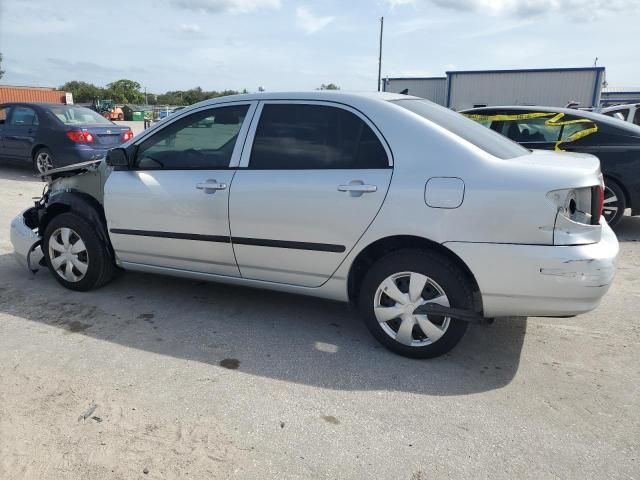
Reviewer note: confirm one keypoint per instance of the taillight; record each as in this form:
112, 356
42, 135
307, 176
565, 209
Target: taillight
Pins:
80, 137
597, 204
127, 135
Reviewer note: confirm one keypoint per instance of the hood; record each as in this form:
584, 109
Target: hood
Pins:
73, 169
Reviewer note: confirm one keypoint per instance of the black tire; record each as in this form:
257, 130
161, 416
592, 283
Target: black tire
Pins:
38, 155
612, 189
100, 266
453, 282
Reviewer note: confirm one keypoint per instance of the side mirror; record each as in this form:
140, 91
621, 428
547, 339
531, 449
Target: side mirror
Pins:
117, 157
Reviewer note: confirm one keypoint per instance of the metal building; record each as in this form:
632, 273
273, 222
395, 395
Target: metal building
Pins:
431, 88
553, 87
620, 96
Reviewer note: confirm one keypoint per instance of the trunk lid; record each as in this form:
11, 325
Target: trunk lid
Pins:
107, 136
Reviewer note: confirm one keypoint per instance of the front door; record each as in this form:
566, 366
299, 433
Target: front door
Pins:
171, 208
20, 133
313, 181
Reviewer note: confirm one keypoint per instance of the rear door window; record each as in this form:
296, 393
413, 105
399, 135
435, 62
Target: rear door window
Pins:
23, 117
301, 137
201, 141
636, 118
532, 130
621, 114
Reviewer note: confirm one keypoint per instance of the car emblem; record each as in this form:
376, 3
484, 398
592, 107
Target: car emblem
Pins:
108, 131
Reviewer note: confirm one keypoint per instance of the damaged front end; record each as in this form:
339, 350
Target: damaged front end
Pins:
68, 188
26, 238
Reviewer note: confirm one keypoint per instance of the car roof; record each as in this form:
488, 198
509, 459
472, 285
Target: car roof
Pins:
37, 104
596, 117
326, 95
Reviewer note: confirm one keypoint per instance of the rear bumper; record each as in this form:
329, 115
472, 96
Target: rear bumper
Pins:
78, 154
539, 280
25, 243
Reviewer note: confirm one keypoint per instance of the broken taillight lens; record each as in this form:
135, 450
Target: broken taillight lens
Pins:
578, 212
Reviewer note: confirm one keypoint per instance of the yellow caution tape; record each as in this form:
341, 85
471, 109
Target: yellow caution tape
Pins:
554, 121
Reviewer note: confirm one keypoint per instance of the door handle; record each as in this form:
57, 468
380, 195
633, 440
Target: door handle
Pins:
210, 186
357, 188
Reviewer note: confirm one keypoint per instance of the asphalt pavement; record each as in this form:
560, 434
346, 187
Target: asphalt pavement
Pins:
200, 380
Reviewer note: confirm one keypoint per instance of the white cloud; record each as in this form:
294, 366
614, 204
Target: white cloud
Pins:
311, 23
526, 8
189, 28
227, 6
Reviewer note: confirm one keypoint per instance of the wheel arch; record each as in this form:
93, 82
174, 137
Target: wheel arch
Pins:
35, 149
381, 247
81, 204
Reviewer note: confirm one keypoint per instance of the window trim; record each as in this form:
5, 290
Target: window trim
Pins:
237, 149
248, 143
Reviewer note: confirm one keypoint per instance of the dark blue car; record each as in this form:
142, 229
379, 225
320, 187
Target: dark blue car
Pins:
49, 135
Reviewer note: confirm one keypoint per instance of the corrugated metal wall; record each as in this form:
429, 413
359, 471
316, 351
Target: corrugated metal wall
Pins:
434, 89
30, 94
620, 96
551, 88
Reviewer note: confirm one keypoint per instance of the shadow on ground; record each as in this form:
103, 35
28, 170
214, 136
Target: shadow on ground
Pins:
628, 230
285, 337
21, 172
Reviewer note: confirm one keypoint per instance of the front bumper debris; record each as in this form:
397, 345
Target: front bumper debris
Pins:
26, 243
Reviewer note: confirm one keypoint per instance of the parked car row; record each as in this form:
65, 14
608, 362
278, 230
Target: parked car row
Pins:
615, 142
48, 135
424, 219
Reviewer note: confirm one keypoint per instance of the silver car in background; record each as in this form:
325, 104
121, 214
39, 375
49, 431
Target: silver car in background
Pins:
424, 219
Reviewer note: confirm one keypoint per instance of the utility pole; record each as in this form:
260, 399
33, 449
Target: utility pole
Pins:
380, 52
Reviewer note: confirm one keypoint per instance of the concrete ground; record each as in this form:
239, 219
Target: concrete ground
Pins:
203, 381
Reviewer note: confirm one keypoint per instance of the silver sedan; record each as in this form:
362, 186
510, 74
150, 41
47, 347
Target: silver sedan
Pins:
424, 219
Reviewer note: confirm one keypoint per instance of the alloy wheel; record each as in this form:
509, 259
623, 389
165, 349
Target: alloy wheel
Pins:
397, 298
43, 162
611, 204
68, 254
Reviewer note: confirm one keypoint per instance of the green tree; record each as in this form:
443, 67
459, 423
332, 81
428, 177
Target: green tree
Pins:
124, 91
83, 92
1, 71
330, 86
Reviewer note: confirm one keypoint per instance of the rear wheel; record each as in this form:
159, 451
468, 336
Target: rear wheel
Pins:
399, 283
615, 203
42, 161
75, 255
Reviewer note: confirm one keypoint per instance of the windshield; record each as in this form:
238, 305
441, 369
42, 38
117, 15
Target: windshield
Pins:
73, 115
482, 137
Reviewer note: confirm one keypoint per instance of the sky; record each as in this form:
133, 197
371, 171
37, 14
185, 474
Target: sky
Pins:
299, 45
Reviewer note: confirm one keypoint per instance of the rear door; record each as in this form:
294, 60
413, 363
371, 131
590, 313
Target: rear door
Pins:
171, 209
20, 133
4, 118
314, 176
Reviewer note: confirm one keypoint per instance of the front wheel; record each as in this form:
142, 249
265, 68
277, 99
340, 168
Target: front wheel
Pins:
75, 255
399, 283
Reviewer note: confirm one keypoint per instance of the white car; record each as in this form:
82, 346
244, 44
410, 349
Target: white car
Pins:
423, 218
628, 113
